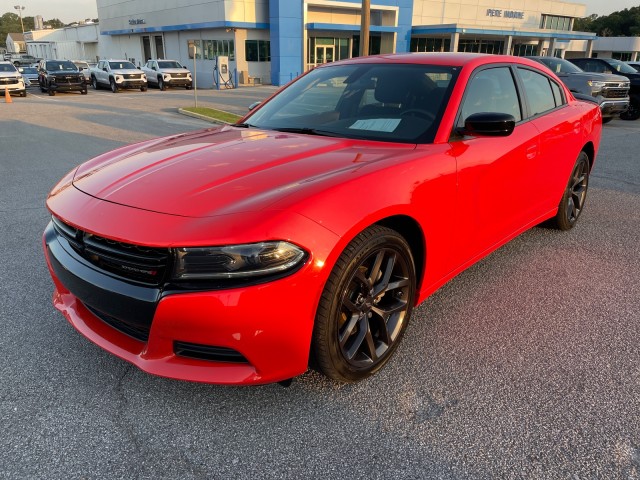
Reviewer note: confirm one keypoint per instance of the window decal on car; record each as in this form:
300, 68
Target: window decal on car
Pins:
377, 124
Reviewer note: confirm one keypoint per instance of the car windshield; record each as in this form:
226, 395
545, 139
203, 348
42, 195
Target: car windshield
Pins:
81, 65
169, 65
7, 67
122, 65
385, 102
558, 65
620, 66
61, 66
29, 71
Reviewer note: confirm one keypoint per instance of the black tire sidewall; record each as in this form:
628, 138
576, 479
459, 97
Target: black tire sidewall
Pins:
326, 349
562, 220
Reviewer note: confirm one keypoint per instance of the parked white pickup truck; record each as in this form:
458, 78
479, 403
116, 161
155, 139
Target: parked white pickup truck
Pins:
117, 74
167, 73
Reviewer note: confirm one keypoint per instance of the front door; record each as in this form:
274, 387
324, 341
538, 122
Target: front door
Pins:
325, 54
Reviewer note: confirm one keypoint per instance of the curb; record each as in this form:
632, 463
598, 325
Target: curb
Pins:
203, 117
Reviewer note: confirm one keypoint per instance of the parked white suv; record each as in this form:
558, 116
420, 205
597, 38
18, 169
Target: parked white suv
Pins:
11, 78
117, 74
167, 73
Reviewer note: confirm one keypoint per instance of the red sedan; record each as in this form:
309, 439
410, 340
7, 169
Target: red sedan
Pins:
308, 231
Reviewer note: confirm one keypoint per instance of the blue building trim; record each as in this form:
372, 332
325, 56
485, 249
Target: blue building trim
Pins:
438, 29
285, 18
349, 28
189, 26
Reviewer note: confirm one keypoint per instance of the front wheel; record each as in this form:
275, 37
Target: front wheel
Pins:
633, 112
143, 89
94, 82
575, 195
161, 84
52, 92
83, 91
365, 306
606, 120
112, 84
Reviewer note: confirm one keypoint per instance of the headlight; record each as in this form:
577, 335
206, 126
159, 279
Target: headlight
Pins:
236, 261
596, 84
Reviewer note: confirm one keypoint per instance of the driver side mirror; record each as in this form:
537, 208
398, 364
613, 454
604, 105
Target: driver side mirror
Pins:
254, 105
489, 124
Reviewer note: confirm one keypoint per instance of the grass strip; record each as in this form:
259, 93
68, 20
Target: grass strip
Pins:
214, 114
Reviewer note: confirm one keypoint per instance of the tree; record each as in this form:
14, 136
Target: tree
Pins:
54, 23
625, 23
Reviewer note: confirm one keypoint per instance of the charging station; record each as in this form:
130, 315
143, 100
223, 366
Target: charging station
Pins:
222, 73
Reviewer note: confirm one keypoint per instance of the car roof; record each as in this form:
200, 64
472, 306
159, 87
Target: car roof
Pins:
437, 58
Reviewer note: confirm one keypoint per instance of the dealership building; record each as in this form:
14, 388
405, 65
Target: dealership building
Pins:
273, 41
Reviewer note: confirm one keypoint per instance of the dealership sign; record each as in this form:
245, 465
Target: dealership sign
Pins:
504, 13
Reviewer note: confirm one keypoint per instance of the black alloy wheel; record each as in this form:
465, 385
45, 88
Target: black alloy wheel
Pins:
365, 306
633, 112
575, 195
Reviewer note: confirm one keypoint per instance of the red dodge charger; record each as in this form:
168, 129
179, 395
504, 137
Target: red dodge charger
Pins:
308, 231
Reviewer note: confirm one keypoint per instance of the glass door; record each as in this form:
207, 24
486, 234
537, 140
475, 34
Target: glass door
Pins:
325, 54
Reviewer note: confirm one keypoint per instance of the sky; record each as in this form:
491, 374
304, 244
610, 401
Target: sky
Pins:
72, 10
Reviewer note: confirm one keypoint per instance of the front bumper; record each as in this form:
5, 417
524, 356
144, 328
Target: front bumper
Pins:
613, 107
251, 335
179, 82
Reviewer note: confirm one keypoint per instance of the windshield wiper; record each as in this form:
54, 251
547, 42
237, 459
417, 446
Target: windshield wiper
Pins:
306, 131
242, 125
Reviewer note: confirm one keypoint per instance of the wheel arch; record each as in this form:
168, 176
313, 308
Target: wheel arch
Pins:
590, 150
409, 228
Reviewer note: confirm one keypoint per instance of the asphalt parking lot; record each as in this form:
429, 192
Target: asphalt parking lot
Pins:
524, 366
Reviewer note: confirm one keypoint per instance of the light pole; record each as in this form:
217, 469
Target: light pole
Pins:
365, 24
20, 8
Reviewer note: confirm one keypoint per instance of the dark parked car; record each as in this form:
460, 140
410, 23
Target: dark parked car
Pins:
60, 76
634, 65
610, 65
611, 91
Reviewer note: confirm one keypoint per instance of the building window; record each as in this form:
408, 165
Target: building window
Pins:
430, 44
623, 56
525, 50
555, 22
481, 46
210, 49
257, 50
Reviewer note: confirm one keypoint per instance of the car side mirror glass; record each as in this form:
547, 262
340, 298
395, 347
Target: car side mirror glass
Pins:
489, 124
254, 105
104, 69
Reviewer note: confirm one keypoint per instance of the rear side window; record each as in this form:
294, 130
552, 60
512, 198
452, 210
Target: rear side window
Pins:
537, 88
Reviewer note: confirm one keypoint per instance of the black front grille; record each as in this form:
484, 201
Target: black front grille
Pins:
179, 75
9, 81
615, 93
138, 332
133, 262
208, 352
131, 76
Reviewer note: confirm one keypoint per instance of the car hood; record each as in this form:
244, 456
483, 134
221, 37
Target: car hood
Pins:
9, 74
174, 70
230, 170
602, 77
128, 71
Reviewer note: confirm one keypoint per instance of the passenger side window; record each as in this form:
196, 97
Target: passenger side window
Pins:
491, 90
537, 87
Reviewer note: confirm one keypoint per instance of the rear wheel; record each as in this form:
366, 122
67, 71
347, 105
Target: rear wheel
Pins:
365, 306
575, 195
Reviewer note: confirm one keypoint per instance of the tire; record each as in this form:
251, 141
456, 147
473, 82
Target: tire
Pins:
94, 82
42, 89
606, 119
362, 314
52, 92
112, 84
161, 84
83, 91
143, 89
23, 94
633, 112
188, 87
574, 196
